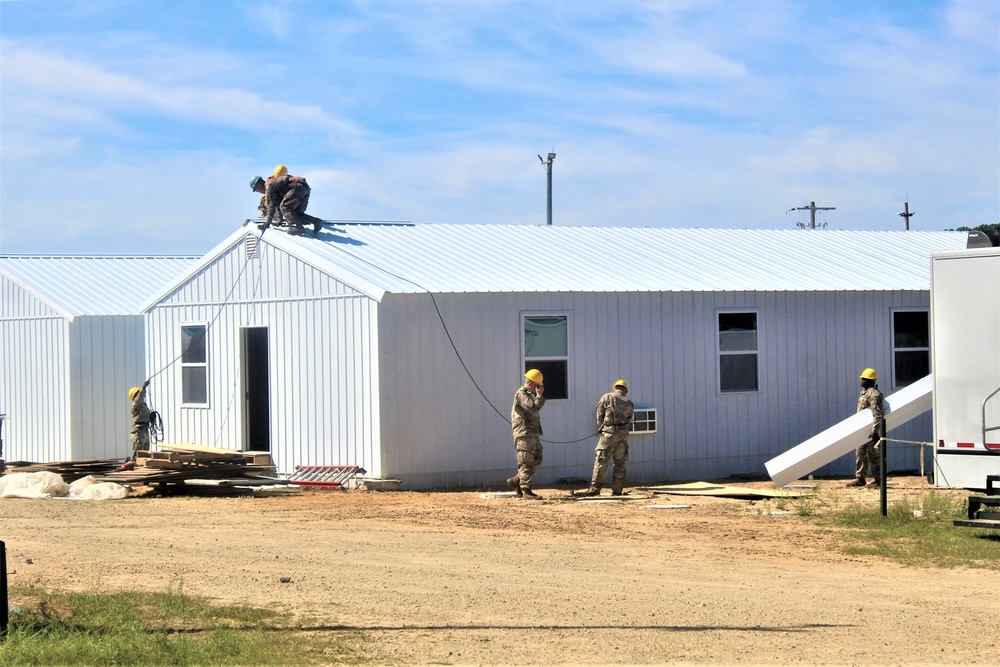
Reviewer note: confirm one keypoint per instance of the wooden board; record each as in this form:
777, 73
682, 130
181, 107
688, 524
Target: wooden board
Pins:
719, 490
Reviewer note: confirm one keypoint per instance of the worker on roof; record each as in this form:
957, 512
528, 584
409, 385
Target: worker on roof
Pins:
867, 455
614, 419
527, 430
285, 197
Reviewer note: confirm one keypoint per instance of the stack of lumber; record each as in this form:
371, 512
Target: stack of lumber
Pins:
70, 471
170, 465
180, 464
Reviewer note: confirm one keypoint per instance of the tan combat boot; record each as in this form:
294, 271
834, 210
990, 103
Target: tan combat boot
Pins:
515, 483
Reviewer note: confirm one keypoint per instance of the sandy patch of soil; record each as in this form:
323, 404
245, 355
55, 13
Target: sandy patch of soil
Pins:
458, 578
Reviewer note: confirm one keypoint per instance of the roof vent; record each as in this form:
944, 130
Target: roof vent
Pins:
251, 241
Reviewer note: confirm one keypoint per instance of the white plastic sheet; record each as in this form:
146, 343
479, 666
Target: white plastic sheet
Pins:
40, 484
44, 484
87, 488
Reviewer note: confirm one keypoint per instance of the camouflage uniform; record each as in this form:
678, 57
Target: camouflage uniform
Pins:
140, 423
527, 429
867, 455
614, 416
288, 196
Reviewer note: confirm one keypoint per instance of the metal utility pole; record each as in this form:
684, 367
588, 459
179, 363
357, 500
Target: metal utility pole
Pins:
907, 214
812, 208
547, 164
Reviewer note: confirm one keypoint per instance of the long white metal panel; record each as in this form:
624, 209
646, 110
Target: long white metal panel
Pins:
845, 437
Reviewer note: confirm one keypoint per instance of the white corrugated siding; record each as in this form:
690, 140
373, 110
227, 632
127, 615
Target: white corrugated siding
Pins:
72, 345
107, 357
34, 377
439, 431
323, 365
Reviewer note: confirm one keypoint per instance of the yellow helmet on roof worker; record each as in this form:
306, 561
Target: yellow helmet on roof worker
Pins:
621, 383
132, 392
535, 376
869, 374
280, 171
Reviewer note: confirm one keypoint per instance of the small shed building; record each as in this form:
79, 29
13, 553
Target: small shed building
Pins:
72, 343
398, 347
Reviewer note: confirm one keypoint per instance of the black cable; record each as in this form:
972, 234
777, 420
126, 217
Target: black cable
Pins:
155, 421
454, 347
217, 313
155, 427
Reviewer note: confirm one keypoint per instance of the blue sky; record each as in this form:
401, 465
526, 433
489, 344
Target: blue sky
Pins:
135, 127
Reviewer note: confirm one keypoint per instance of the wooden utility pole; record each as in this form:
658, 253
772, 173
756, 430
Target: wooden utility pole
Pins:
812, 208
907, 214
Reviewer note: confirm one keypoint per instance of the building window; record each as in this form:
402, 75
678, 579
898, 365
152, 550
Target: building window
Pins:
546, 347
194, 364
911, 352
738, 352
643, 420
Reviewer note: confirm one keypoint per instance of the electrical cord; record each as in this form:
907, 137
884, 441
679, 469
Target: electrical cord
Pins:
454, 348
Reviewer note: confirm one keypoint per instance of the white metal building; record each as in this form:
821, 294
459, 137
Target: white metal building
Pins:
399, 347
71, 340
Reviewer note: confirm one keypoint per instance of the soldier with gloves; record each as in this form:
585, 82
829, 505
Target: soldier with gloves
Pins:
285, 196
139, 433
867, 455
614, 419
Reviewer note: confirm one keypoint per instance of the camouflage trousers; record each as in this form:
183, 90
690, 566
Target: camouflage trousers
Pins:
867, 456
293, 207
611, 448
140, 438
529, 459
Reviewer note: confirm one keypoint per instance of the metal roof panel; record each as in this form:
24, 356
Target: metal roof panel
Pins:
93, 285
516, 258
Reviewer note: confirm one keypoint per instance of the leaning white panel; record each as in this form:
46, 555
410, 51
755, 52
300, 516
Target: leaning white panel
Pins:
846, 435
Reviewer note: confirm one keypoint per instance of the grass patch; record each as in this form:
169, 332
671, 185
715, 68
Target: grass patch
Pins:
137, 628
929, 540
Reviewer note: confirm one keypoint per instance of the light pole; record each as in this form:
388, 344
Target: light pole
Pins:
547, 164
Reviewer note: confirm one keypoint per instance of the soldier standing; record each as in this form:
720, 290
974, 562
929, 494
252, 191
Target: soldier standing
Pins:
139, 433
614, 418
867, 455
527, 430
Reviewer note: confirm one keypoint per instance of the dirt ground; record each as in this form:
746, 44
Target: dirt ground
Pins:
456, 578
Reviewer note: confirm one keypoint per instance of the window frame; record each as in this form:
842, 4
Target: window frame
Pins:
527, 314
185, 365
892, 341
720, 353
649, 415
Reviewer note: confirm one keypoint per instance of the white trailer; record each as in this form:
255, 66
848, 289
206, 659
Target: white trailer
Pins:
965, 358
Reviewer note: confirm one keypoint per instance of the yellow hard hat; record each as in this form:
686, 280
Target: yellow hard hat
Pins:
621, 383
280, 171
869, 374
535, 376
132, 392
